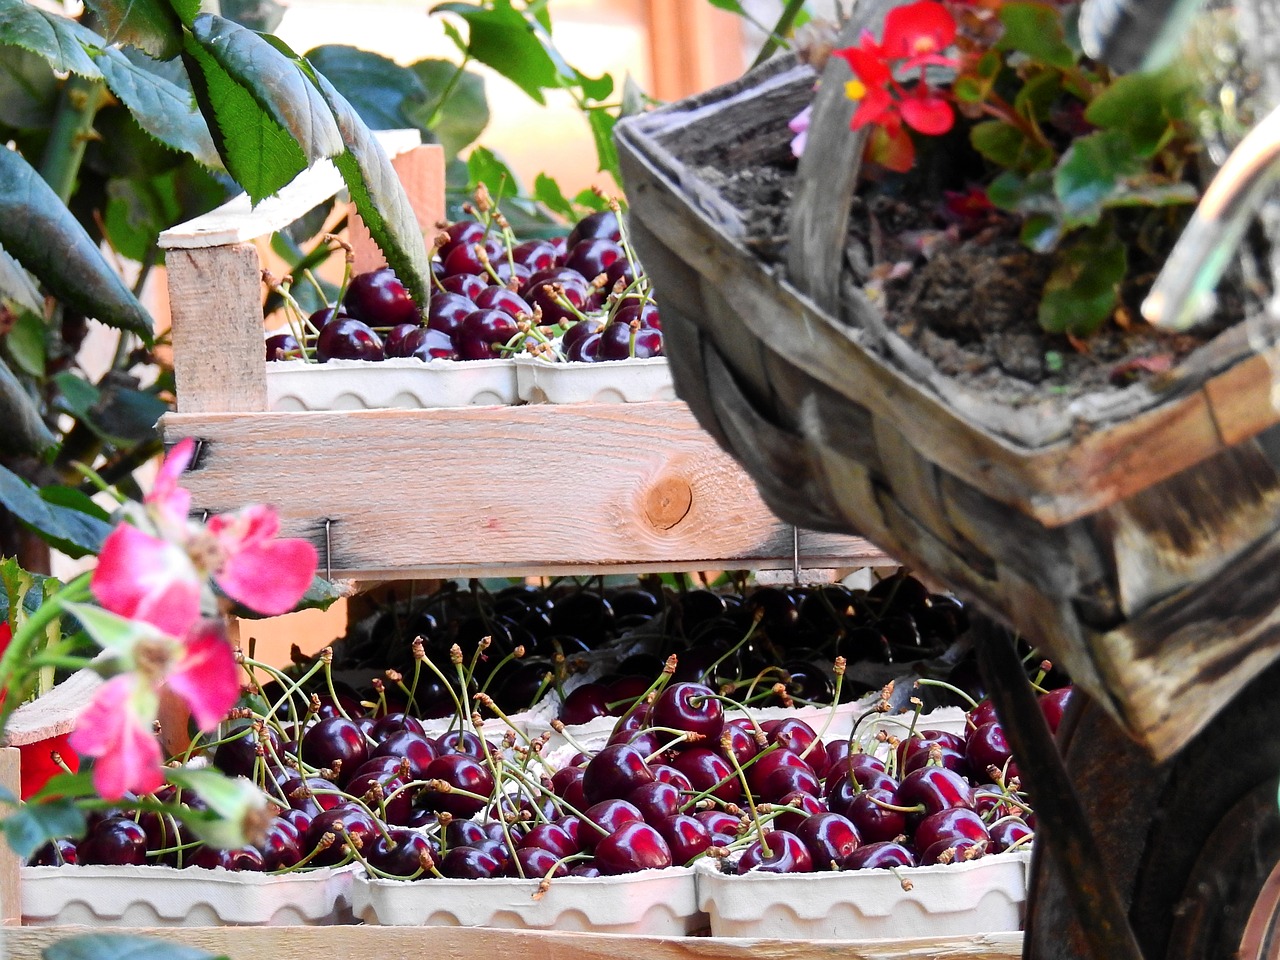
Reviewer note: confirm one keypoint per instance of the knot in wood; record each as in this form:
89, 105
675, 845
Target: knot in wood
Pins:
667, 502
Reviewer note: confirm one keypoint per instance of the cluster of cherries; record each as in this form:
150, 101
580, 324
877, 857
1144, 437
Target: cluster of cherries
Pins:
578, 297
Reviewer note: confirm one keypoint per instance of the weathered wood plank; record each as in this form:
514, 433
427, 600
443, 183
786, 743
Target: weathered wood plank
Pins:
10, 865
1234, 397
215, 296
477, 943
52, 714
508, 490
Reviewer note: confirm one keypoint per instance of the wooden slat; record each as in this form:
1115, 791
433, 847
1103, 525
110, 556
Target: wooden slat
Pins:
238, 221
215, 296
52, 714
421, 172
10, 865
530, 490
475, 943
1235, 395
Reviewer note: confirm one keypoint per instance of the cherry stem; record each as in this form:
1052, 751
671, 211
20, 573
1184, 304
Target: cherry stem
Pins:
751, 800
831, 714
949, 687
710, 671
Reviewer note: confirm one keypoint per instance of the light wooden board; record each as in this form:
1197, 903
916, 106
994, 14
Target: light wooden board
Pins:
531, 490
466, 943
10, 866
52, 714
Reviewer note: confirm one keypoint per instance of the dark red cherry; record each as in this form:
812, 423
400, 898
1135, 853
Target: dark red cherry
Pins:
346, 820
614, 772
862, 767
655, 800
401, 853
915, 751
801, 739
873, 821
55, 853
311, 794
335, 743
114, 841
512, 275
552, 837
691, 707
500, 298
602, 223
780, 772
618, 341
428, 344
409, 745
1010, 832
379, 299
547, 292
805, 805
632, 847
619, 272
741, 743
468, 258
584, 703
393, 345
722, 826
1052, 705
533, 862
462, 773
382, 775
987, 747
448, 310
984, 712
705, 769
282, 846
646, 311
469, 863
283, 346
583, 350
778, 852
666, 773
593, 256
608, 815
686, 836
829, 838
242, 859
879, 856
463, 741
461, 233
346, 338
950, 825
535, 254
483, 334
934, 789
464, 284
952, 851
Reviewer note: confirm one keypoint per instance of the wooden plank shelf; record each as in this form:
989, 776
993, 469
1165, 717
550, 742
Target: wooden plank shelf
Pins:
539, 489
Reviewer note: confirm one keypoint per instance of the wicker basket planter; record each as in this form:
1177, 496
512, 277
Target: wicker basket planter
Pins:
1131, 535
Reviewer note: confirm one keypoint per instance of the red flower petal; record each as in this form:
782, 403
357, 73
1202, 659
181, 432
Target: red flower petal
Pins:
927, 112
37, 764
270, 577
144, 578
116, 729
868, 65
876, 107
918, 28
207, 677
892, 148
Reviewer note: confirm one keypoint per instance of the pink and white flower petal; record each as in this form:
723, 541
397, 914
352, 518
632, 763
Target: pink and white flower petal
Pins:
207, 676
146, 578
169, 502
115, 634
265, 574
116, 730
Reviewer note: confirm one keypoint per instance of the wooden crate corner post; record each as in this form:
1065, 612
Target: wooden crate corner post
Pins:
10, 865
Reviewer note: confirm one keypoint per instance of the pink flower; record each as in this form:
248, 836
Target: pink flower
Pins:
117, 726
115, 729
799, 125
161, 575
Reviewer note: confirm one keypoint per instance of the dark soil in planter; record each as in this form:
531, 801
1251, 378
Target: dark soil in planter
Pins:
969, 302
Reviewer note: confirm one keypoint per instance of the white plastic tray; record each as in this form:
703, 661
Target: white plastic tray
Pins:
617, 381
192, 897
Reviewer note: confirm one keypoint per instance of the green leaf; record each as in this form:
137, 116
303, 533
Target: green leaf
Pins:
269, 121
1038, 94
61, 496
502, 39
77, 394
32, 825
66, 528
25, 343
162, 108
63, 43
137, 210
1090, 172
28, 89
461, 117
547, 192
123, 946
376, 86
1041, 232
39, 230
1143, 105
1032, 193
483, 166
733, 6
17, 286
602, 123
1036, 30
1083, 288
25, 432
597, 88
150, 25
126, 414
591, 200
998, 142
379, 197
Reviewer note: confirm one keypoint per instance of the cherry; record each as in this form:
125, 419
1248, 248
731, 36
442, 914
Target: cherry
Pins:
463, 741
462, 233
705, 768
952, 851
873, 821
623, 694
949, 826
843, 790
602, 223
807, 805
115, 841
382, 773
984, 712
609, 815
311, 794
346, 338
567, 784
428, 344
500, 298
348, 818
829, 838
666, 773
780, 772
722, 826
400, 852
583, 350
552, 837
242, 859
738, 741
336, 743
655, 800
861, 767
459, 772
619, 271
934, 789
470, 863
464, 258
483, 334
536, 862
691, 707
798, 737
1009, 832
393, 345
785, 854
380, 299
55, 853
916, 751
282, 846
464, 285
619, 342
685, 835
878, 856
544, 289
237, 756
448, 310
988, 747
646, 311
593, 256
632, 847
535, 254
614, 772
512, 275
1053, 704
465, 833
283, 346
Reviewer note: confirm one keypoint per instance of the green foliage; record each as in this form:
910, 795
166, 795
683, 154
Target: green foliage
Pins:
68, 528
32, 825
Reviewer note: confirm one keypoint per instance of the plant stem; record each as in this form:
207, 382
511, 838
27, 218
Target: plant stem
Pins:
19, 647
72, 130
779, 31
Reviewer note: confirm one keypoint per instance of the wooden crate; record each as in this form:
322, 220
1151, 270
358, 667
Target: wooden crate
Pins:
522, 490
